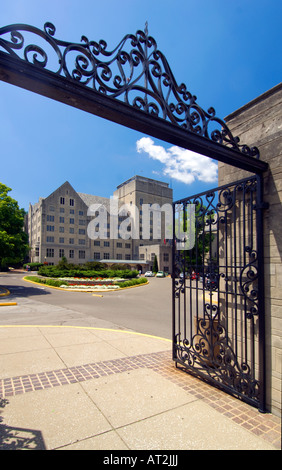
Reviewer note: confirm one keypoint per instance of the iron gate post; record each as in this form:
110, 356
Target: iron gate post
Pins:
173, 283
260, 207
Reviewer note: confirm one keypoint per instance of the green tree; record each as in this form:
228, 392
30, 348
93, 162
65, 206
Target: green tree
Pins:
155, 265
13, 240
201, 232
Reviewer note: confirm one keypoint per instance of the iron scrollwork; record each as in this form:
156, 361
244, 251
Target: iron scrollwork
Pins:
135, 71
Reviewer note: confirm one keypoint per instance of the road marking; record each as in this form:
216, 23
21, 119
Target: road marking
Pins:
86, 328
5, 304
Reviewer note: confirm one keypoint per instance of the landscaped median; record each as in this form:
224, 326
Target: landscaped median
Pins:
88, 284
90, 277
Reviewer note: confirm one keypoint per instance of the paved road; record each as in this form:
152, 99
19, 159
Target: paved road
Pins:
145, 309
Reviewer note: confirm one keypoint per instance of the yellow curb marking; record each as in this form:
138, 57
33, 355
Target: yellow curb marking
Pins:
7, 303
4, 294
86, 328
213, 301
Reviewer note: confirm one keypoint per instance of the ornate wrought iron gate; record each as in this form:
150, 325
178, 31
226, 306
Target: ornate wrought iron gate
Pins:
218, 302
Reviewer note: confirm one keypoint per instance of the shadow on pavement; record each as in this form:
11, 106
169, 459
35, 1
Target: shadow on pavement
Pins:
12, 438
23, 291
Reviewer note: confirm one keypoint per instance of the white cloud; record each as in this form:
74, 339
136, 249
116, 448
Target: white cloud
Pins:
180, 164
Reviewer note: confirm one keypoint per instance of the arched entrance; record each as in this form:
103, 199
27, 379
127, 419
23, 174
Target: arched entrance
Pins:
134, 86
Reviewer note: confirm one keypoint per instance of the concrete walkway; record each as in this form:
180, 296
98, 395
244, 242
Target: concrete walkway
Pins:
88, 388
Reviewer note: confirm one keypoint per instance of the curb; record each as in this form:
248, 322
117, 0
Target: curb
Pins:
2, 304
5, 294
146, 335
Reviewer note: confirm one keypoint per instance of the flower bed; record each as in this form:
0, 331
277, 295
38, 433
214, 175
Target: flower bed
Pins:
74, 281
90, 286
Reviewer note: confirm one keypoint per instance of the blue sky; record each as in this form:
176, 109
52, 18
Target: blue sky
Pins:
227, 52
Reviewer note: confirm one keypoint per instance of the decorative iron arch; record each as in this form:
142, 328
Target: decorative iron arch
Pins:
132, 85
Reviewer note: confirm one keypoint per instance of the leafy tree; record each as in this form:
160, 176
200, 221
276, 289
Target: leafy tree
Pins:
155, 265
202, 235
13, 240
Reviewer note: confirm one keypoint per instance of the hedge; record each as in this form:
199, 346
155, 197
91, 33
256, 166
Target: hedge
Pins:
133, 282
33, 266
48, 282
55, 271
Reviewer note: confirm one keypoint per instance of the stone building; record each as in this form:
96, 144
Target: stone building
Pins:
259, 123
84, 227
155, 197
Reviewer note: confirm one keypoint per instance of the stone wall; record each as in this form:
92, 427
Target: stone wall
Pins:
259, 123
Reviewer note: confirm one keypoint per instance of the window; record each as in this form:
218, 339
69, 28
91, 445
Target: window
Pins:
97, 255
152, 256
62, 200
71, 202
127, 257
61, 229
119, 245
71, 211
62, 220
106, 243
127, 245
166, 257
71, 230
61, 240
71, 221
61, 252
50, 228
62, 210
106, 255
37, 251
51, 208
81, 231
71, 241
142, 256
50, 239
81, 254
50, 218
81, 222
49, 252
119, 256
96, 242
80, 213
71, 253
81, 241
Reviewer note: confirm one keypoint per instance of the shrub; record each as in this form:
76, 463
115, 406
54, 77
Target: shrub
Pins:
33, 266
132, 282
57, 271
48, 282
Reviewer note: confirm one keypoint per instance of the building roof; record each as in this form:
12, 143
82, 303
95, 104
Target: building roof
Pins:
90, 199
144, 179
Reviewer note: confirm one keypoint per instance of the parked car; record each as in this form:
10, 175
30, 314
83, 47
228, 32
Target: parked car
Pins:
195, 275
149, 274
211, 282
160, 274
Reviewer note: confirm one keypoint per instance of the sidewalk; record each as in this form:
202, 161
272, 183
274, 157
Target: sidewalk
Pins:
69, 388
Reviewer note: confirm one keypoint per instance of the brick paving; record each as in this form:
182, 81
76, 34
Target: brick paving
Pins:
266, 426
